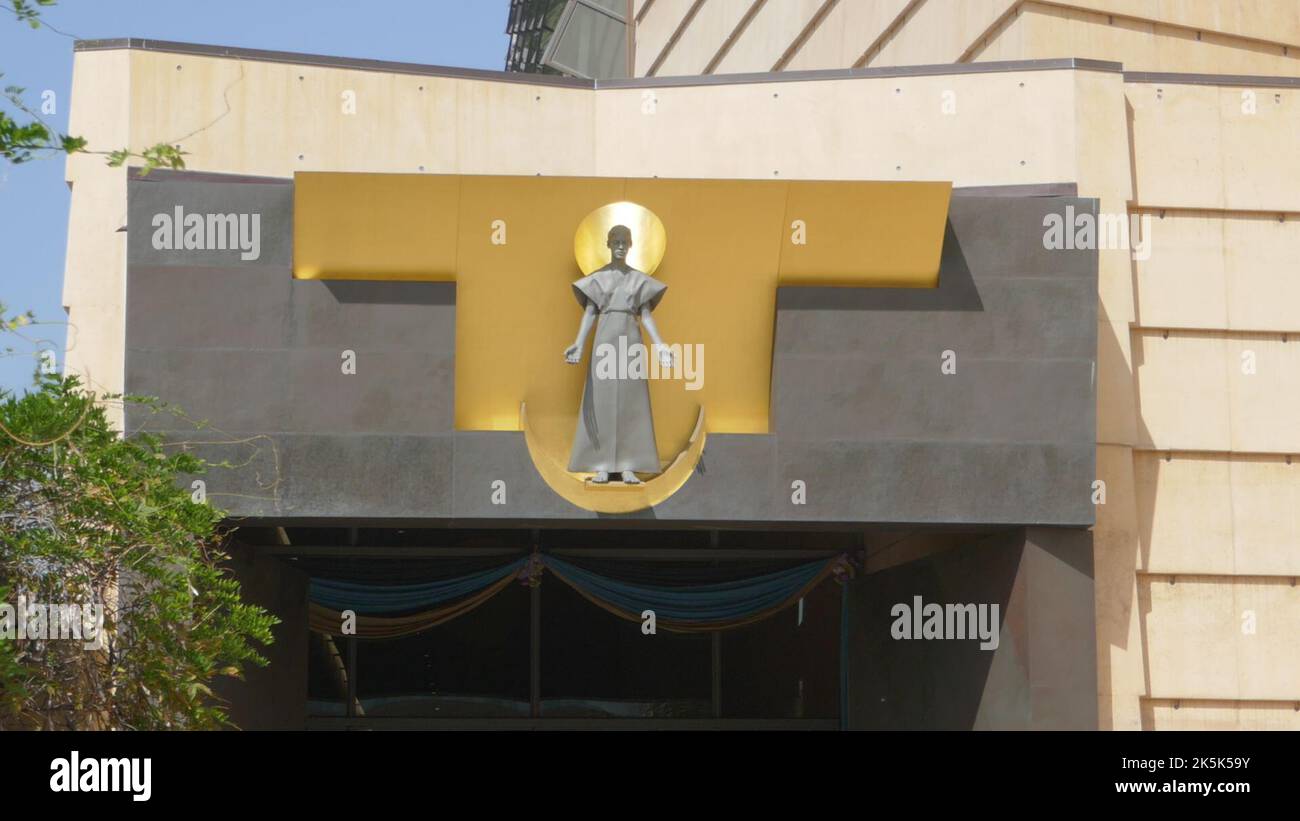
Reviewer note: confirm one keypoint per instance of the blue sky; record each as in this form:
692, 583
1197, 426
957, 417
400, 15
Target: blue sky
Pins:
34, 196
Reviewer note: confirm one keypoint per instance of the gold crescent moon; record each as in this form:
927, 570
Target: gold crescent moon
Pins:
615, 497
649, 239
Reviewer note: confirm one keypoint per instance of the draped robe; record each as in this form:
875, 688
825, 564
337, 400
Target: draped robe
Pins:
615, 428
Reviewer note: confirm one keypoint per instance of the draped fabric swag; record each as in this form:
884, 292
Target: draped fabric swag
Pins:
680, 605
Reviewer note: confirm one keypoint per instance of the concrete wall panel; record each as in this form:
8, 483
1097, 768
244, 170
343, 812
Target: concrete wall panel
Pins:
1239, 161
882, 129
1199, 643
1176, 373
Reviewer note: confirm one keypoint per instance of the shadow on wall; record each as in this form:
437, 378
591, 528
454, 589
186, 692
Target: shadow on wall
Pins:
1123, 553
938, 685
369, 292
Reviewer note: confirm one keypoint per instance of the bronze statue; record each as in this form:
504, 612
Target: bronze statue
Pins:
615, 432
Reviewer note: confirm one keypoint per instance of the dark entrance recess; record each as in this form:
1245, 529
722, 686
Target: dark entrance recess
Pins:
546, 656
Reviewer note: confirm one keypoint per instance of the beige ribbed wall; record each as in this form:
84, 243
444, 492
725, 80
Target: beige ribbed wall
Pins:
1039, 30
1212, 36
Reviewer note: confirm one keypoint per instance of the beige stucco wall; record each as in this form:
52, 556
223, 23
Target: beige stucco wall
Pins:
93, 285
217, 109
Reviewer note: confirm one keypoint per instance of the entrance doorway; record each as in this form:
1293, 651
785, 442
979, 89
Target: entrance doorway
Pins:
543, 653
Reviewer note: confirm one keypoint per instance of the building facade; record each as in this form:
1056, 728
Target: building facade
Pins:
1092, 429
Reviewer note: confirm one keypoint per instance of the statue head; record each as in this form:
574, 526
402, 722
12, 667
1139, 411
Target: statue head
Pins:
619, 243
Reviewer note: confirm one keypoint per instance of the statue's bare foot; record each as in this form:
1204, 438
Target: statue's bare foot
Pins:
629, 478
601, 478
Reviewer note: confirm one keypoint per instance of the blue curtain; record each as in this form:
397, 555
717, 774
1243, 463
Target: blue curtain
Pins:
374, 599
699, 607
680, 604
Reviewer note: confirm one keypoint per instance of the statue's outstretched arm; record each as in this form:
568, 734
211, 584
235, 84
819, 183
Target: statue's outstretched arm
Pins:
648, 321
573, 353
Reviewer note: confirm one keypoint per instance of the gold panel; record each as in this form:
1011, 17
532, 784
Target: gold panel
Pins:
375, 226
508, 243
877, 234
515, 309
720, 269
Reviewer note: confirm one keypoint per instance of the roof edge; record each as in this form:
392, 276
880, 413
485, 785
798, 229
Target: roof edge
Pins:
325, 61
876, 72
1178, 78
429, 70
393, 67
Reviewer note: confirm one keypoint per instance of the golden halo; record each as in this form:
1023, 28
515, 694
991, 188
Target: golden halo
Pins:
649, 239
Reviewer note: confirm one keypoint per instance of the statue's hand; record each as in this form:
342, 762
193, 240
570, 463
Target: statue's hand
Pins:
666, 358
573, 354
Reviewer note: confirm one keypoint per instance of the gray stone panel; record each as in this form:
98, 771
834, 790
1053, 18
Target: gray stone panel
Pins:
1019, 317
861, 404
245, 474
324, 476
934, 482
732, 482
910, 398
367, 475
271, 202
229, 388
392, 391
1003, 236
485, 457
375, 315
229, 307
